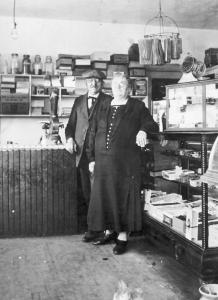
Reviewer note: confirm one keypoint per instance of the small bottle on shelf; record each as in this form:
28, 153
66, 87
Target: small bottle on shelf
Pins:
26, 63
37, 66
14, 63
48, 65
5, 67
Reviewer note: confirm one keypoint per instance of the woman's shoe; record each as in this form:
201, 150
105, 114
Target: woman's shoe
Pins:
106, 239
120, 247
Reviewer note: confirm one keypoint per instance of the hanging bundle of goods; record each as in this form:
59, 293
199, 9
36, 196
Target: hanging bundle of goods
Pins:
157, 50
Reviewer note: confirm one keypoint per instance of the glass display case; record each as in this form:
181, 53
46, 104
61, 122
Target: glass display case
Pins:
181, 212
192, 106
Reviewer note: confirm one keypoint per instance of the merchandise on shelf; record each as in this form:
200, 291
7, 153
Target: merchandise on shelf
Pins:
37, 65
14, 63
26, 64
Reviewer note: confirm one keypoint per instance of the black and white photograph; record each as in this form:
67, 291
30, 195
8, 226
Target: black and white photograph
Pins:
109, 150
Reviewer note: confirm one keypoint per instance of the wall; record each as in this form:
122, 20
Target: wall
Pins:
50, 37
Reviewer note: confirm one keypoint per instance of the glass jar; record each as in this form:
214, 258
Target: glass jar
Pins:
5, 66
26, 63
37, 66
48, 66
14, 63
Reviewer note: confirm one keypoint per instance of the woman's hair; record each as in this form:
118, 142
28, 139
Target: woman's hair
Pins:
122, 76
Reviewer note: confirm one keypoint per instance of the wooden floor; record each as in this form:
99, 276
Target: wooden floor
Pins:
55, 268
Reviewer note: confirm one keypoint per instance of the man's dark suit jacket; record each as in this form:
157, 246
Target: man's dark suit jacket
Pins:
80, 120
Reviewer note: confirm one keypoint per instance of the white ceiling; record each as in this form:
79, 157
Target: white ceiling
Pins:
187, 13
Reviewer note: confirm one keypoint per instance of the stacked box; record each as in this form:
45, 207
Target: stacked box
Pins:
65, 64
100, 56
113, 69
211, 57
120, 58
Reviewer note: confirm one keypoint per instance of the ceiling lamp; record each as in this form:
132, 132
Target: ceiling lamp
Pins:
14, 32
161, 44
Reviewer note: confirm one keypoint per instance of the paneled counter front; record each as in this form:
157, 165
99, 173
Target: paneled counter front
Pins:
37, 191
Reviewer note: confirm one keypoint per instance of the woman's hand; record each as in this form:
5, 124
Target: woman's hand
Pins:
141, 138
70, 145
91, 167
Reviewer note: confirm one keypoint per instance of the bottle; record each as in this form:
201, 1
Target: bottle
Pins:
14, 63
26, 64
37, 66
48, 66
5, 66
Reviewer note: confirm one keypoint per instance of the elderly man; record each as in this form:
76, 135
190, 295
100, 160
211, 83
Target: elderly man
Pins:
83, 110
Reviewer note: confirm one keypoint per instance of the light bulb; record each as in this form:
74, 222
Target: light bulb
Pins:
14, 32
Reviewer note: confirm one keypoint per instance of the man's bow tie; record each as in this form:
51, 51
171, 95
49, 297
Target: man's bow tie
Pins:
91, 101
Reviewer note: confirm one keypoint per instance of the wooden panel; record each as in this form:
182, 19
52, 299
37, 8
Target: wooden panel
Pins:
16, 214
55, 189
50, 204
1, 194
38, 188
72, 193
39, 200
11, 206
5, 196
61, 192
33, 183
67, 174
22, 198
28, 201
44, 191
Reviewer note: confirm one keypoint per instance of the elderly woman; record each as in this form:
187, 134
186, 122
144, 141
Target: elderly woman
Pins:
116, 136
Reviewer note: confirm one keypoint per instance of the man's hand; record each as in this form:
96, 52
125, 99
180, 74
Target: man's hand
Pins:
70, 146
91, 167
141, 138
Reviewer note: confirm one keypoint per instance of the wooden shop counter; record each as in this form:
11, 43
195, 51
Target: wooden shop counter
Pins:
37, 191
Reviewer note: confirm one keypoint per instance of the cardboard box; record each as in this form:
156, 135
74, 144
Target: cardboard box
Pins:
179, 224
137, 72
123, 69
120, 58
192, 217
100, 56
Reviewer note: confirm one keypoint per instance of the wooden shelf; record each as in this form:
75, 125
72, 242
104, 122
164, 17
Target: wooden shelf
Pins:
40, 96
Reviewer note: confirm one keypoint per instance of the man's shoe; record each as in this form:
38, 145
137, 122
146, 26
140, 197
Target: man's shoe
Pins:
106, 239
120, 247
90, 236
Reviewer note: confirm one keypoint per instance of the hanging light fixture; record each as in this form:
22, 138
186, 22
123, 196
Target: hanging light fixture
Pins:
14, 32
162, 21
163, 42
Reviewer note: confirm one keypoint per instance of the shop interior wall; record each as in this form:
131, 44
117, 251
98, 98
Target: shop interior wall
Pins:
51, 37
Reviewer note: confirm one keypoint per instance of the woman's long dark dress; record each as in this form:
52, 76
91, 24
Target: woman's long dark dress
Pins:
115, 198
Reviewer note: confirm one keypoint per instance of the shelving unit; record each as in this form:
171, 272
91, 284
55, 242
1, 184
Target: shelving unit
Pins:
194, 244
189, 228
36, 96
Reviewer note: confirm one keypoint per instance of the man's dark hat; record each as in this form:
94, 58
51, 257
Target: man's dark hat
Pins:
93, 74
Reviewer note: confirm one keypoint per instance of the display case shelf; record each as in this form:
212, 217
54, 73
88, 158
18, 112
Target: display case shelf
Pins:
192, 106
